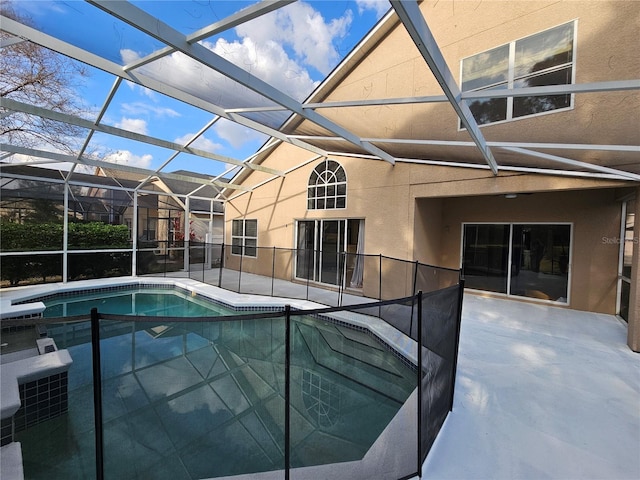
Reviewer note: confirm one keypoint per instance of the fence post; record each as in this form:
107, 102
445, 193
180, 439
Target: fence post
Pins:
308, 265
420, 393
413, 292
380, 285
273, 269
287, 392
97, 392
164, 263
454, 367
342, 271
240, 268
221, 265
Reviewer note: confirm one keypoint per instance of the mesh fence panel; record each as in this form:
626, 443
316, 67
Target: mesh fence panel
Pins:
30, 268
255, 270
430, 278
440, 329
355, 414
83, 266
398, 278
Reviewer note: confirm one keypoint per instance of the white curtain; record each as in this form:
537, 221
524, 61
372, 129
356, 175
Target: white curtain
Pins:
358, 270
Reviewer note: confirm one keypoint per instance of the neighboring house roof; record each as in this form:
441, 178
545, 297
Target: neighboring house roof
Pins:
29, 184
180, 184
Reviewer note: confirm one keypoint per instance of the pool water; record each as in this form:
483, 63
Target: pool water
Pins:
149, 302
203, 400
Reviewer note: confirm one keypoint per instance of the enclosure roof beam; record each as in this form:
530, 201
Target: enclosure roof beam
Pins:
575, 163
60, 157
238, 18
594, 87
413, 20
23, 31
88, 124
164, 33
458, 143
503, 168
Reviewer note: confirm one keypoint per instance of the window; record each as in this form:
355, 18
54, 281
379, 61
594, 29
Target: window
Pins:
327, 187
545, 58
527, 260
244, 237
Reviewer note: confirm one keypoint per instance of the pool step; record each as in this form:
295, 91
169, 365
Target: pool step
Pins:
355, 359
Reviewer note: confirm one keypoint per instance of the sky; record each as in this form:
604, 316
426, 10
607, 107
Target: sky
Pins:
293, 49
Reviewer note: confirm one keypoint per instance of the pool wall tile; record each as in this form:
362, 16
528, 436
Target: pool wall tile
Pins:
6, 431
41, 400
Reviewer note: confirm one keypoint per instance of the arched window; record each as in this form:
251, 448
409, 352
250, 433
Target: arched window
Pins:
327, 187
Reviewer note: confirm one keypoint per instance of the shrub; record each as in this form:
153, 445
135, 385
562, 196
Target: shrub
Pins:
24, 237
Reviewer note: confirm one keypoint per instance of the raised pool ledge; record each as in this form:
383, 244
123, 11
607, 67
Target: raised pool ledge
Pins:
14, 374
11, 461
27, 310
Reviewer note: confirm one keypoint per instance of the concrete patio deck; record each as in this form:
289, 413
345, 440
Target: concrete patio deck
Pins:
541, 392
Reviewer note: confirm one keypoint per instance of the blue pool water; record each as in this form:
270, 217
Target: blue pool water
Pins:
150, 302
202, 400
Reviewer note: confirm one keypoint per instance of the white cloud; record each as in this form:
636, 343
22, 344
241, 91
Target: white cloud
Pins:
237, 135
202, 143
269, 62
279, 56
379, 6
141, 108
129, 56
260, 50
136, 125
125, 157
303, 29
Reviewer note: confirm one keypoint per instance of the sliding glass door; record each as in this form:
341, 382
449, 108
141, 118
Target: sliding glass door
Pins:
331, 244
628, 238
528, 260
321, 249
486, 256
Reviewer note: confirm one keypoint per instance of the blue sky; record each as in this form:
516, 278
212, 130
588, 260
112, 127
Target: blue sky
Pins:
293, 49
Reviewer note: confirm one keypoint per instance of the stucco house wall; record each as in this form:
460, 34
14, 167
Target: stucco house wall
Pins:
415, 211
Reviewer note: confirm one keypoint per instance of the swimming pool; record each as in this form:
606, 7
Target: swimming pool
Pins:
206, 399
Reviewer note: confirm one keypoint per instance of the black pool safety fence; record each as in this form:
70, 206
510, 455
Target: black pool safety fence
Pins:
269, 394
330, 278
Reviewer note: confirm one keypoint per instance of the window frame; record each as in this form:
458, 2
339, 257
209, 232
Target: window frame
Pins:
512, 79
239, 246
626, 242
510, 259
315, 184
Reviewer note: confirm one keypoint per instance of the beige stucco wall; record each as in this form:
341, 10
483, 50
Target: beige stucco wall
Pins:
409, 214
408, 208
607, 46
